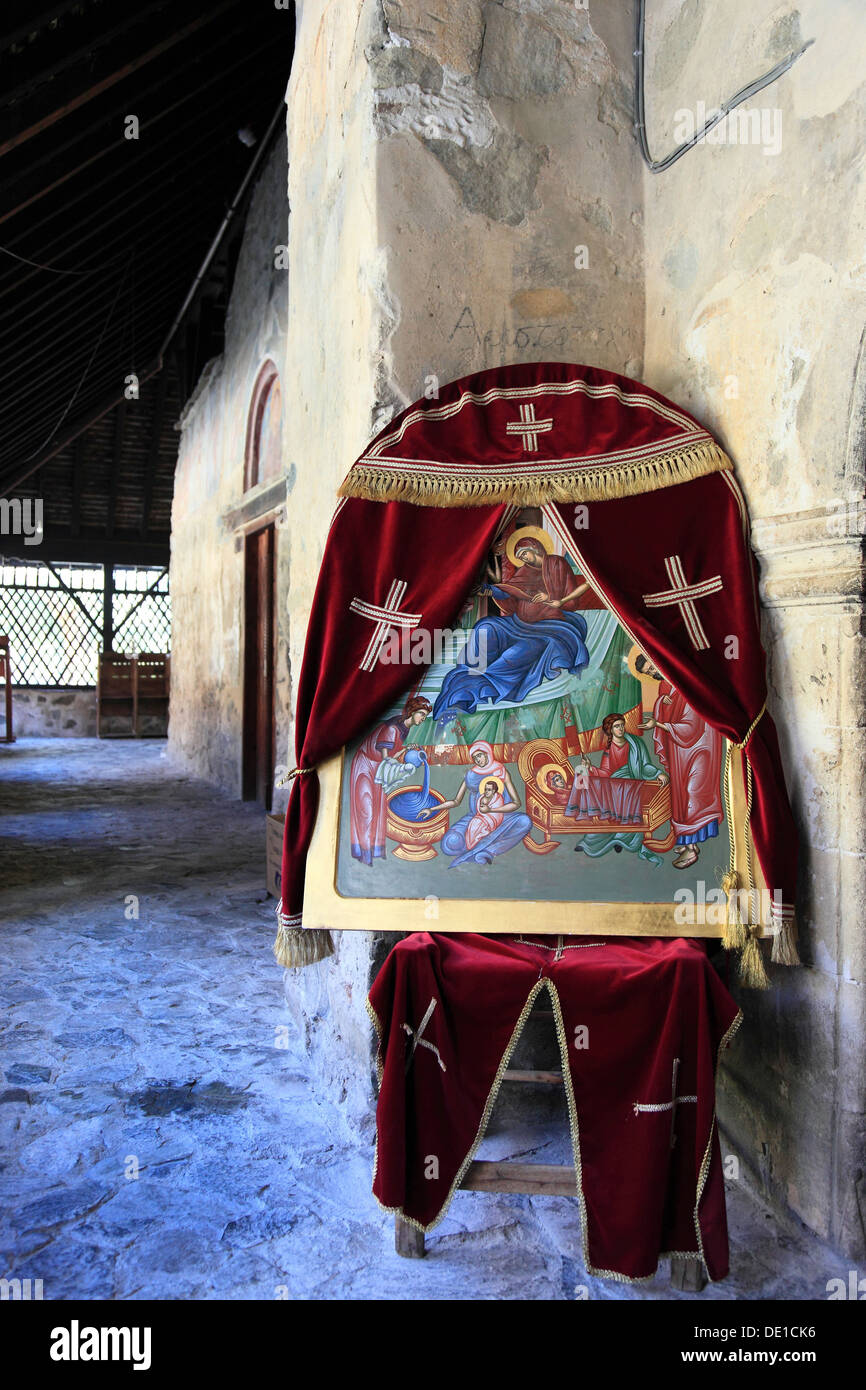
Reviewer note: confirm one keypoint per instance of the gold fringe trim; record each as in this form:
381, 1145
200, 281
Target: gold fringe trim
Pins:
469, 487
295, 947
734, 930
753, 974
784, 950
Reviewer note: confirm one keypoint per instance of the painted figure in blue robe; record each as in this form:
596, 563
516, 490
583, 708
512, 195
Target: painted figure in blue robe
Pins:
537, 634
493, 824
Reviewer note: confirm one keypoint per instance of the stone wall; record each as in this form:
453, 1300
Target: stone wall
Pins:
465, 191
508, 190
207, 552
755, 311
53, 712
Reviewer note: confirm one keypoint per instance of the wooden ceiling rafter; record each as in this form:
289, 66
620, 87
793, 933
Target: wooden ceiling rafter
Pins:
111, 80
77, 200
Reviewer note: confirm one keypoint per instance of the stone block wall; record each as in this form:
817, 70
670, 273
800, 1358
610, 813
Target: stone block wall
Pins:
53, 712
465, 191
756, 303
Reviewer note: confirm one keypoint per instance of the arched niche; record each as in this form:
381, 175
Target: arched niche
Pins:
264, 444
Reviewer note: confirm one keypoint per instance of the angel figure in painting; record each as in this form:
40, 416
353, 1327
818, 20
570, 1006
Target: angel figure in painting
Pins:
368, 803
691, 750
536, 635
491, 828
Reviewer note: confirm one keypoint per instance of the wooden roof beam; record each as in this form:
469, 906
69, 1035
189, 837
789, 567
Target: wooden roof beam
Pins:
126, 70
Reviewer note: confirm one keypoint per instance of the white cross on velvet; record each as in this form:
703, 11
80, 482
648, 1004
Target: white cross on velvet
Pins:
418, 1039
659, 1107
385, 616
684, 595
528, 427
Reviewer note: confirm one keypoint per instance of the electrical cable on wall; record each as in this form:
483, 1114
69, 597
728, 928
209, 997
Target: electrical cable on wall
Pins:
658, 166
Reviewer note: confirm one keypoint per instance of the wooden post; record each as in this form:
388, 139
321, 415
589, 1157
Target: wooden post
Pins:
108, 610
6, 673
408, 1240
687, 1275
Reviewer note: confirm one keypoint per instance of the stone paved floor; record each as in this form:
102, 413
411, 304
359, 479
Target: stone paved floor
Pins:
155, 1143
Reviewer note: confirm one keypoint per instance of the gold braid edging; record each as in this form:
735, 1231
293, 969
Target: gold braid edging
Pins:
705, 1161
574, 1127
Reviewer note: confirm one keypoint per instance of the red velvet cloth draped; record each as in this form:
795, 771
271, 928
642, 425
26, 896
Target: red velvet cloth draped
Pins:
640, 1023
623, 545
424, 560
437, 553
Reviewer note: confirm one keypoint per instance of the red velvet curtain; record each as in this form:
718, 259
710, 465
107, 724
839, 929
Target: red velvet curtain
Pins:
622, 546
437, 553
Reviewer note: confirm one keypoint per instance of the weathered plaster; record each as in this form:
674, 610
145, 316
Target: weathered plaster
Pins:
756, 299
446, 164
207, 558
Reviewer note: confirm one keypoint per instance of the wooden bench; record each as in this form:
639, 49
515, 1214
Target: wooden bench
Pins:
133, 691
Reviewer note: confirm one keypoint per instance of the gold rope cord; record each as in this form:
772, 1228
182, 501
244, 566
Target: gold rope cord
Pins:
737, 933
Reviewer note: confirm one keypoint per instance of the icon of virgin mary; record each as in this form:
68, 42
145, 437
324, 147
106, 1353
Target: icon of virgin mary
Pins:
493, 825
536, 635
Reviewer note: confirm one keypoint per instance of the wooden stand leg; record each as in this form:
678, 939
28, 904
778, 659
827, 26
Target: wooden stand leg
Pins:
408, 1240
688, 1275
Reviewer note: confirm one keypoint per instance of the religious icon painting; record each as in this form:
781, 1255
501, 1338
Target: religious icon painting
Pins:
533, 695
541, 775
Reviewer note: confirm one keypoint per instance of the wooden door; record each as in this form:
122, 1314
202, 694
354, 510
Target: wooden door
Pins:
259, 643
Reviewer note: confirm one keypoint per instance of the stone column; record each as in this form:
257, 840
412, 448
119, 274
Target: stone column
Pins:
465, 191
755, 311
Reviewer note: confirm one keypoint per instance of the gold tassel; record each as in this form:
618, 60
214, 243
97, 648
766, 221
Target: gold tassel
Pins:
734, 932
752, 972
471, 487
295, 947
784, 950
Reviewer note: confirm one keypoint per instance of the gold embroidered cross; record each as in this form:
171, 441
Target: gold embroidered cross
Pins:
528, 427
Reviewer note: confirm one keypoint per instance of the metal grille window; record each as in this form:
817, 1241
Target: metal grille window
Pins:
58, 617
141, 610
